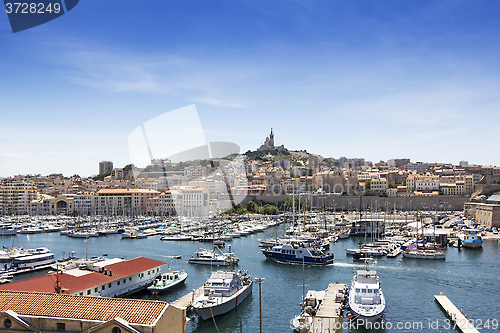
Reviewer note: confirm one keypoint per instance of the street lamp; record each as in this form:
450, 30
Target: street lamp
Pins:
260, 281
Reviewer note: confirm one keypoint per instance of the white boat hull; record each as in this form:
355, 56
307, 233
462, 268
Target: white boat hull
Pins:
226, 306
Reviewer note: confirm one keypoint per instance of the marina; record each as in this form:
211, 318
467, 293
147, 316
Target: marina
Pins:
456, 275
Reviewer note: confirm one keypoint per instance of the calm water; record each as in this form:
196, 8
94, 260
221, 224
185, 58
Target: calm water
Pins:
471, 280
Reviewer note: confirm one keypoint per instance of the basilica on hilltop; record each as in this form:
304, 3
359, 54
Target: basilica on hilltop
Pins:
269, 144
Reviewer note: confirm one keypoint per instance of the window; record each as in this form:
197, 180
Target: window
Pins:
7, 323
117, 283
61, 326
88, 292
130, 278
96, 289
116, 329
81, 294
109, 285
103, 287
124, 280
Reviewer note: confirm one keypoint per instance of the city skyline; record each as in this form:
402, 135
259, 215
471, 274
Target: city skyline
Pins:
355, 79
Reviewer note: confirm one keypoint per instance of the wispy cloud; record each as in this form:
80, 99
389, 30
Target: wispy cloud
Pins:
123, 70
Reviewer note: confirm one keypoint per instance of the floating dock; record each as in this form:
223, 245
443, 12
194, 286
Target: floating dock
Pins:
461, 322
329, 317
185, 301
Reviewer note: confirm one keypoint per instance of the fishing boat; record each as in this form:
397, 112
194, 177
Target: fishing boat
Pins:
366, 299
471, 239
288, 253
222, 292
167, 281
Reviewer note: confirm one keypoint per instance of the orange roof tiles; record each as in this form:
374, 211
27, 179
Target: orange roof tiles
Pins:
81, 307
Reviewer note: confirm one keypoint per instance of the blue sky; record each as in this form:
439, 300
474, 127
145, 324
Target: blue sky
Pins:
372, 79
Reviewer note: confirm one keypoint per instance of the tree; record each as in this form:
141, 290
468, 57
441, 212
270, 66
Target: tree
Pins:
391, 185
252, 207
368, 184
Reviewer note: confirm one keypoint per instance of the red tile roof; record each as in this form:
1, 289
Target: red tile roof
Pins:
74, 284
134, 266
81, 307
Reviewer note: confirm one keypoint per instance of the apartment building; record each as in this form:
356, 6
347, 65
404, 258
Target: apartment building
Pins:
15, 197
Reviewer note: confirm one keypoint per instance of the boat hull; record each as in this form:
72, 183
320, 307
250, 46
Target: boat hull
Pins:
281, 257
472, 244
365, 321
219, 309
156, 290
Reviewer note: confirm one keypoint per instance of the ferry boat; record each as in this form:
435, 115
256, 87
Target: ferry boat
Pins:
366, 299
298, 254
223, 291
471, 239
211, 257
167, 281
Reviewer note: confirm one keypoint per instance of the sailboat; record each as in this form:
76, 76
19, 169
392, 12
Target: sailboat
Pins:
412, 251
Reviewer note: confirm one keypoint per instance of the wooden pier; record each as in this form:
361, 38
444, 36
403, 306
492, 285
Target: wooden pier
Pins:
329, 317
185, 301
461, 322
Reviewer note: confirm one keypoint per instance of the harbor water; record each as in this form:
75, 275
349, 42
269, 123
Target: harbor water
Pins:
470, 279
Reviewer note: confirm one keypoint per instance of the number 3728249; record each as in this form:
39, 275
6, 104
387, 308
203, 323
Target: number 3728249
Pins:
32, 8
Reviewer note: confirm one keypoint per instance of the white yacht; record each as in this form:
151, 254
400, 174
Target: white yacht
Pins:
211, 257
223, 291
366, 299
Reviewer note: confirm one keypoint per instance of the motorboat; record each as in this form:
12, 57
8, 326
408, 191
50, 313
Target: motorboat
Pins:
366, 299
222, 292
297, 253
211, 257
308, 308
167, 281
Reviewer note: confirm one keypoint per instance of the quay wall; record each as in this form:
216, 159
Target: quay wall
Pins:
331, 201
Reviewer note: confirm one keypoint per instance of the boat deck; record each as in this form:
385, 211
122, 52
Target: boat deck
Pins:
329, 317
185, 301
461, 322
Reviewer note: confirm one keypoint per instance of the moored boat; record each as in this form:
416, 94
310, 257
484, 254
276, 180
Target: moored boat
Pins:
167, 281
366, 299
471, 239
223, 291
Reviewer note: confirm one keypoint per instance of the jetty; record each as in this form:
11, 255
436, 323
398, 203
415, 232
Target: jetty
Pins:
329, 317
185, 301
460, 320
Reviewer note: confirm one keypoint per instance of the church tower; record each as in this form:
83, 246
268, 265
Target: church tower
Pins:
271, 138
